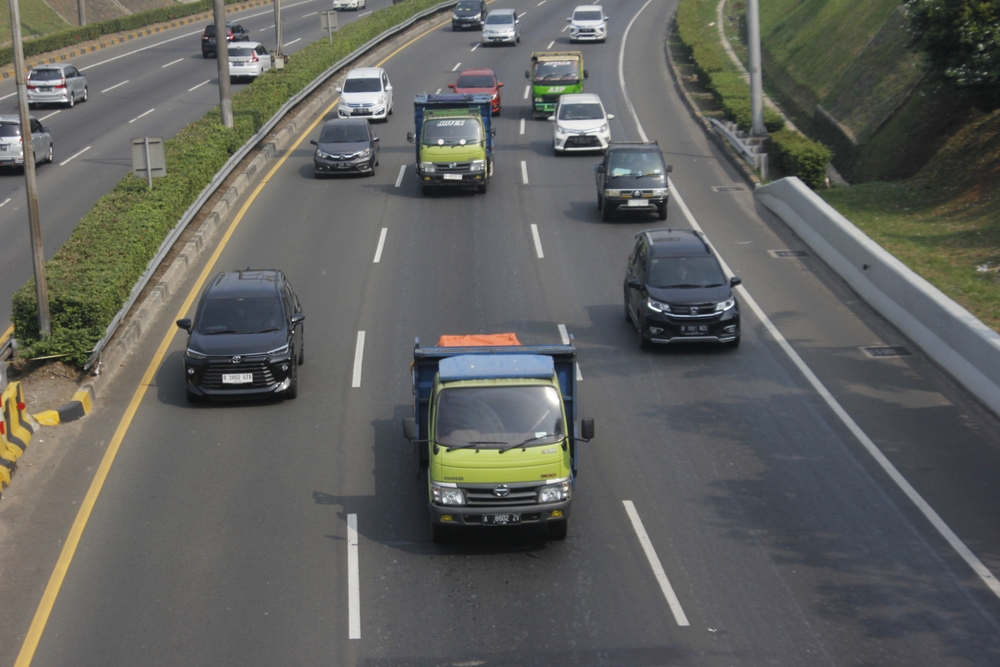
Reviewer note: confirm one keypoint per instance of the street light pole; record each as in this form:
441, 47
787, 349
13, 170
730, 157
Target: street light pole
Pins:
277, 27
28, 151
81, 9
222, 58
757, 128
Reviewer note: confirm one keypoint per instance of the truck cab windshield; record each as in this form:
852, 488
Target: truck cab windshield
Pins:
498, 417
557, 70
452, 131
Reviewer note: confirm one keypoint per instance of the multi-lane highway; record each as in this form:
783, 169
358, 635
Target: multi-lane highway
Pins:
792, 502
152, 86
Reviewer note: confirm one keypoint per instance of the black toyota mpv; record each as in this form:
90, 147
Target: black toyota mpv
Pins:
246, 338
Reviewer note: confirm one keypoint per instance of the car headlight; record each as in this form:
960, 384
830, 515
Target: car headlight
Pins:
660, 192
194, 354
278, 351
380, 100
455, 16
323, 155
723, 306
561, 130
427, 167
495, 95
444, 495
365, 153
603, 128
477, 165
612, 193
553, 493
657, 306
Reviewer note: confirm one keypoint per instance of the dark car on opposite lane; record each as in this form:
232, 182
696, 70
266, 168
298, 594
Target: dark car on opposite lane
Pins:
676, 291
246, 339
234, 33
632, 177
482, 80
345, 145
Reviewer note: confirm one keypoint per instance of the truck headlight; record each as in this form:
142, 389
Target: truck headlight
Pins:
657, 306
554, 493
612, 193
477, 165
660, 192
427, 167
723, 306
447, 496
538, 99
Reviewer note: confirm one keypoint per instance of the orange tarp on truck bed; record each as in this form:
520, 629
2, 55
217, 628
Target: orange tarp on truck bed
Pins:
477, 340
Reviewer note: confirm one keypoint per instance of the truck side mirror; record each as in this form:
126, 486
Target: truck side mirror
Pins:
527, 74
587, 429
735, 280
586, 74
599, 168
409, 137
409, 428
184, 324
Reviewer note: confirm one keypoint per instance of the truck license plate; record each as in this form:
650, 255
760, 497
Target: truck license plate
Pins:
501, 519
237, 378
637, 202
452, 177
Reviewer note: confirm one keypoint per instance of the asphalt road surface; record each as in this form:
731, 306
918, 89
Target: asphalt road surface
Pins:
792, 502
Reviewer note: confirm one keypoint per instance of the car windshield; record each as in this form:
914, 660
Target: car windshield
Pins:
689, 272
45, 75
240, 52
475, 81
557, 70
499, 19
498, 417
240, 315
452, 131
589, 15
366, 85
580, 112
635, 164
343, 133
10, 130
467, 7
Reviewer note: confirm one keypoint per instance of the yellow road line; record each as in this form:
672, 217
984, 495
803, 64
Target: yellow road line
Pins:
48, 600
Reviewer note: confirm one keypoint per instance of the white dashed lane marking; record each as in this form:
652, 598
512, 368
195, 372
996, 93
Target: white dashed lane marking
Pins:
75, 155
174, 62
654, 562
381, 244
115, 86
359, 355
538, 241
402, 172
524, 172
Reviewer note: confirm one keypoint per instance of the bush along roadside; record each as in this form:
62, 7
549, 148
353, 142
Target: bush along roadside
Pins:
91, 276
78, 35
794, 154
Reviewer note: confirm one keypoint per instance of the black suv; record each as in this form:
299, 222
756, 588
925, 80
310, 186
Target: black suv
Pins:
234, 33
246, 338
468, 14
633, 177
676, 291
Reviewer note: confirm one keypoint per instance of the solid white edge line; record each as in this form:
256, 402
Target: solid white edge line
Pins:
353, 579
522, 126
402, 172
564, 334
115, 86
579, 375
50, 115
538, 241
456, 67
75, 155
527, 89
359, 354
654, 562
621, 73
179, 60
381, 244
524, 172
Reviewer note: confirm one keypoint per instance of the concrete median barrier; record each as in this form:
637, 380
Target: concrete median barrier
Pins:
15, 431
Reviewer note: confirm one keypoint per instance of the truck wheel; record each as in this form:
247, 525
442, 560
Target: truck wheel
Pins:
558, 529
441, 534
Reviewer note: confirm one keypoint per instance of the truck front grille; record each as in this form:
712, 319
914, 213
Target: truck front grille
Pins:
480, 497
453, 167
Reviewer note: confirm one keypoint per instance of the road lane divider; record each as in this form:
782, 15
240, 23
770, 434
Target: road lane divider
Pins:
47, 116
474, 47
550, 45
353, 579
199, 85
524, 172
654, 563
564, 336
305, 16
973, 561
538, 241
179, 60
115, 86
141, 115
527, 89
5, 202
74, 156
359, 356
381, 244
402, 172
293, 41
79, 406
455, 68
15, 430
522, 126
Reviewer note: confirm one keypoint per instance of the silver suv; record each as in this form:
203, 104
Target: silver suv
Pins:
502, 26
11, 149
56, 84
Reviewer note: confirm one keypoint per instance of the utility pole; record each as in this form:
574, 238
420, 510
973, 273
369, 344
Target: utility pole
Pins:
82, 10
28, 151
757, 128
277, 28
222, 56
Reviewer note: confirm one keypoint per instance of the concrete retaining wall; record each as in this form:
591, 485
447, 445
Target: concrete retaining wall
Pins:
947, 333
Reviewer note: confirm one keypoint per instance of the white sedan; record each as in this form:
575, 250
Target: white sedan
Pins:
248, 60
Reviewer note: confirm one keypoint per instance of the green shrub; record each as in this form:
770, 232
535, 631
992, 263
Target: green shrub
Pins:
91, 276
800, 156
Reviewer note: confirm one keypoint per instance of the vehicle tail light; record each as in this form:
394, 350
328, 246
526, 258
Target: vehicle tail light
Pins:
30, 87
61, 84
253, 57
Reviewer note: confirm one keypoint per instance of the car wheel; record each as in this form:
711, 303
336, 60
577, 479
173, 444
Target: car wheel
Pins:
48, 158
644, 342
558, 530
72, 101
86, 94
661, 211
293, 389
204, 54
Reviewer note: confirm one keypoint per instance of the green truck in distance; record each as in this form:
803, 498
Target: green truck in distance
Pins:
454, 140
554, 73
495, 423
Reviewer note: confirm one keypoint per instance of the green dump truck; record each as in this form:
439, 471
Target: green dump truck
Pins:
495, 422
554, 73
454, 140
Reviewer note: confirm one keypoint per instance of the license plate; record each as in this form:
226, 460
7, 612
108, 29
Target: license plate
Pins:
452, 177
694, 329
45, 89
637, 202
501, 519
341, 165
4, 147
362, 112
237, 378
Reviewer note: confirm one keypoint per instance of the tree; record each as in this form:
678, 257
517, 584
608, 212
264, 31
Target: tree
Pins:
961, 38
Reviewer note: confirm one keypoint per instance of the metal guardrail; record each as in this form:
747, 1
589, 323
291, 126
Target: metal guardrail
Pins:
234, 161
6, 352
757, 160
